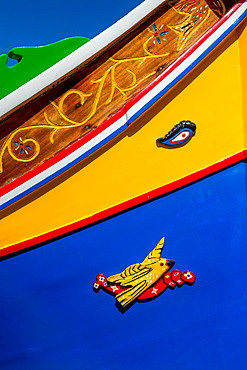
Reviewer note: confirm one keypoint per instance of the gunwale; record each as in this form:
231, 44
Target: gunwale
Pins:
83, 55
235, 154
71, 155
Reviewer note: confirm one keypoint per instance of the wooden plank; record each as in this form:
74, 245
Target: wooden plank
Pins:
30, 138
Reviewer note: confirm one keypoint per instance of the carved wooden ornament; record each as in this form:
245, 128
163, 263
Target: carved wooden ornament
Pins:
47, 131
179, 135
145, 280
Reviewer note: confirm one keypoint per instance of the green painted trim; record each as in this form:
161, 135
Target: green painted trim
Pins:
31, 61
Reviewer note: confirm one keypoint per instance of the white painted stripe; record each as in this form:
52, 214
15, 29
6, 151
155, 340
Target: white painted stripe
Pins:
123, 120
186, 63
83, 53
65, 161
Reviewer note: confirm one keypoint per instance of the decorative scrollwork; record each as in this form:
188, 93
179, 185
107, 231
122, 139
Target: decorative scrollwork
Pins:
25, 149
21, 150
114, 85
197, 13
21, 144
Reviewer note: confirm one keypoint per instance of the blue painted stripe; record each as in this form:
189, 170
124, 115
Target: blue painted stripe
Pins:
188, 69
65, 168
133, 118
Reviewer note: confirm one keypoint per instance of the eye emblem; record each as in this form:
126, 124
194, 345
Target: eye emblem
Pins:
179, 135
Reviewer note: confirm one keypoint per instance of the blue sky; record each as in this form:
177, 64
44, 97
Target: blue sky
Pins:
37, 23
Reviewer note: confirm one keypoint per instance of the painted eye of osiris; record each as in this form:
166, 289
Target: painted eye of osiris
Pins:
184, 135
179, 135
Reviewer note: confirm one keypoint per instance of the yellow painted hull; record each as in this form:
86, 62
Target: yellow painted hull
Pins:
132, 165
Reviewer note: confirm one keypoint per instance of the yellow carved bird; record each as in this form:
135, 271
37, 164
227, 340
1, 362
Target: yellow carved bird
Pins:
141, 276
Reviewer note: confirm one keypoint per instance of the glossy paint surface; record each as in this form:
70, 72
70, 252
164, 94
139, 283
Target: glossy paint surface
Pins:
33, 61
52, 319
243, 61
120, 172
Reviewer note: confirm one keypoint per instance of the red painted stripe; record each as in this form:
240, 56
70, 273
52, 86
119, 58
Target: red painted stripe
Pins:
58, 157
184, 56
64, 153
126, 205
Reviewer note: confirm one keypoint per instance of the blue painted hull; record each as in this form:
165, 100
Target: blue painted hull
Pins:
52, 319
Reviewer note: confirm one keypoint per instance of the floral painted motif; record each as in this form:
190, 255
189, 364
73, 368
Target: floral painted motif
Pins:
188, 275
157, 34
21, 147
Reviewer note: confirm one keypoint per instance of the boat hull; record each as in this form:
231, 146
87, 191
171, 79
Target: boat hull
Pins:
51, 316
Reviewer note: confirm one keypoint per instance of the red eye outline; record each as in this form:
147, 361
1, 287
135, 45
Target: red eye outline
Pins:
178, 136
181, 137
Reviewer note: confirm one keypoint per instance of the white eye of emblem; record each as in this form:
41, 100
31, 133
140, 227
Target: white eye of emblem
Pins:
181, 137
